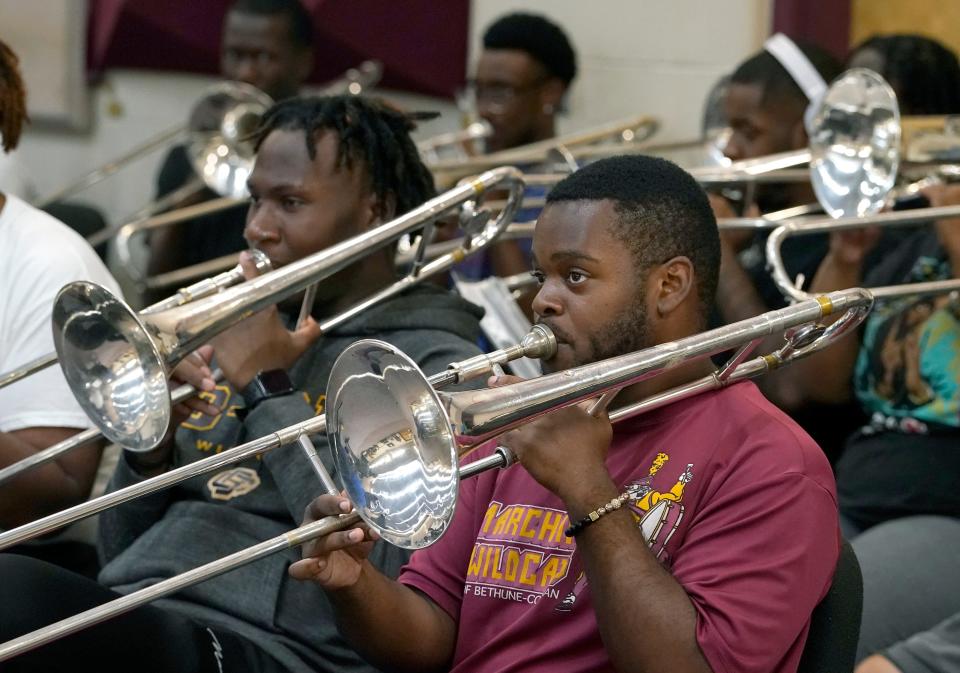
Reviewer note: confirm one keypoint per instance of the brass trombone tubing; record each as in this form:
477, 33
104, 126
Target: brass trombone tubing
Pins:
855, 303
477, 416
65, 627
518, 230
108, 169
51, 453
128, 231
538, 343
738, 170
642, 127
187, 273
198, 290
192, 188
155, 343
919, 216
429, 147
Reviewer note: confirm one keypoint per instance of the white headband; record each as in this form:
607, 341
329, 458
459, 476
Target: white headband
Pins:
801, 70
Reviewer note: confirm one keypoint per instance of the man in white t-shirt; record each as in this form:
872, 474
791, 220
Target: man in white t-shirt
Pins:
38, 256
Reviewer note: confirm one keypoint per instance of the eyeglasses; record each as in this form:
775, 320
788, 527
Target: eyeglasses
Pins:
497, 94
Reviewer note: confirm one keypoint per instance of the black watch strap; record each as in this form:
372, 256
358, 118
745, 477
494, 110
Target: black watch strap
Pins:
265, 385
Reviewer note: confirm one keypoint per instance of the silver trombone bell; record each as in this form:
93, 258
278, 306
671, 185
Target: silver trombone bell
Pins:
220, 128
855, 144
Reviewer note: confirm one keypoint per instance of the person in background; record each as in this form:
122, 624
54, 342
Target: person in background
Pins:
519, 85
765, 107
269, 45
38, 256
924, 73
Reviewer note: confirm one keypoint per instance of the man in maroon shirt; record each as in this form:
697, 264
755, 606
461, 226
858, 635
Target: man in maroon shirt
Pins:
727, 536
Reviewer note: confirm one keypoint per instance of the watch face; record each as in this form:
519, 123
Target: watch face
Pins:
274, 381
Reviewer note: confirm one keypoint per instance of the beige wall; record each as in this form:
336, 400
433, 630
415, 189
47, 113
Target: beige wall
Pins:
645, 56
637, 56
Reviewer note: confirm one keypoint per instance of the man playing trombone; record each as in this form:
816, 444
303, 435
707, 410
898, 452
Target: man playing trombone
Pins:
696, 537
327, 169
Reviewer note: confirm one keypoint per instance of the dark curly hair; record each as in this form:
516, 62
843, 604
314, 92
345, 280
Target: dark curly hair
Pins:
369, 132
13, 99
924, 73
539, 37
662, 213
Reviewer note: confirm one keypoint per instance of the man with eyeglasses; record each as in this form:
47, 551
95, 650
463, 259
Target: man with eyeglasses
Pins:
522, 76
524, 70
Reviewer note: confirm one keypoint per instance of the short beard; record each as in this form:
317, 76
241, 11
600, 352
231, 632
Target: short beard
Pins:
624, 333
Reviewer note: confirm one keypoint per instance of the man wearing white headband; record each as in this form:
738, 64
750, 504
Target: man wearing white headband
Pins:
765, 105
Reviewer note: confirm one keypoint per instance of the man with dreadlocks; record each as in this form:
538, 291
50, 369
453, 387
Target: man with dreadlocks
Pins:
38, 256
326, 169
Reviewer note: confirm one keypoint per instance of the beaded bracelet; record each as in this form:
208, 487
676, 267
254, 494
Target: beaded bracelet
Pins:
578, 527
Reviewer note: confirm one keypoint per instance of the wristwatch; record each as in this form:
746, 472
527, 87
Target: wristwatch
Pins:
265, 385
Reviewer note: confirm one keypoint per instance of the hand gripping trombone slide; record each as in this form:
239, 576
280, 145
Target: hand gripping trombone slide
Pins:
401, 470
117, 362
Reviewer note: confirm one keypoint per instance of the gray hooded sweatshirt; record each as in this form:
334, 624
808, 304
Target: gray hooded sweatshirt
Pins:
210, 516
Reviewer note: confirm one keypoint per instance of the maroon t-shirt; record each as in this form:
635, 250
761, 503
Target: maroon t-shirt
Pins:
734, 499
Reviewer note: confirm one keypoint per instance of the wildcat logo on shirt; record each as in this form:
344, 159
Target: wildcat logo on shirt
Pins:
233, 483
522, 554
657, 513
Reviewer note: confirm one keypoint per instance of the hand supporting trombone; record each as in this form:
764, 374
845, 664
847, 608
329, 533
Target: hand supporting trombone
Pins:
793, 293
117, 362
198, 290
539, 343
408, 485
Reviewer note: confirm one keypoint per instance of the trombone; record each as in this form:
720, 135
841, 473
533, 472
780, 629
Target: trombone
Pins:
238, 100
853, 153
791, 289
854, 148
223, 115
430, 148
402, 470
538, 343
203, 288
117, 362
623, 133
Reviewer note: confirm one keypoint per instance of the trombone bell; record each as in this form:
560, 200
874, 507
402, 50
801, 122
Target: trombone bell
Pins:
399, 465
855, 144
115, 372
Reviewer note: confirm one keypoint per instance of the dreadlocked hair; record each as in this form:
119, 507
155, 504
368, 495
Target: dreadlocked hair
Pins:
13, 98
369, 132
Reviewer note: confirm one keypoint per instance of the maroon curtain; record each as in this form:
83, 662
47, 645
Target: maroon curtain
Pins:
421, 43
825, 23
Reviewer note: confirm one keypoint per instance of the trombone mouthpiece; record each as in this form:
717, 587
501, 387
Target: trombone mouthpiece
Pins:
539, 343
